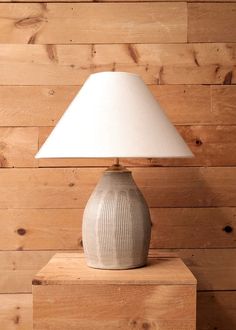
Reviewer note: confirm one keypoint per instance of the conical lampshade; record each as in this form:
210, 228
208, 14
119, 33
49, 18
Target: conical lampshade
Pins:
114, 115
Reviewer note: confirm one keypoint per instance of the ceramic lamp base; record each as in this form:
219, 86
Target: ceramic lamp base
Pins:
116, 223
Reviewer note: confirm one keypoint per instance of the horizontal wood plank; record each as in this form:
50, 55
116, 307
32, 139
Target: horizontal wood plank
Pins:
162, 187
40, 229
211, 146
16, 311
206, 63
55, 23
18, 146
184, 104
193, 228
211, 22
60, 229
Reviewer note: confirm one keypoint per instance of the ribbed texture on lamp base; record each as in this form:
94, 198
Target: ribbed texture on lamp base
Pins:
116, 224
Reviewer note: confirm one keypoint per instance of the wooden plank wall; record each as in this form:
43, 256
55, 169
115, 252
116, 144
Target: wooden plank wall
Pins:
186, 53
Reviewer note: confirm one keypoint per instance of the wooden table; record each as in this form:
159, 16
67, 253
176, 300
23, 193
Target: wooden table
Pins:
69, 295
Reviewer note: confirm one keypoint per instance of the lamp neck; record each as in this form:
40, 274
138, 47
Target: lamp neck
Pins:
117, 162
117, 167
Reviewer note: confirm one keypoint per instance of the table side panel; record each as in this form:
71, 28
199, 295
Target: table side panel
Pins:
89, 307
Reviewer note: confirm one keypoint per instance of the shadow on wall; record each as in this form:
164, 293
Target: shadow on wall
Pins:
216, 310
216, 306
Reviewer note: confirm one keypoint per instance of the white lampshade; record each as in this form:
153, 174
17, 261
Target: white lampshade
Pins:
114, 115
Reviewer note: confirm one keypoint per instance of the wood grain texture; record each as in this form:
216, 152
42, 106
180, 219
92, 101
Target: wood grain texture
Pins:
223, 102
184, 104
193, 208
70, 188
68, 291
18, 146
156, 306
18, 268
193, 228
60, 229
201, 63
40, 229
34, 105
214, 269
71, 269
211, 146
211, 22
214, 310
16, 311
56, 23
44, 105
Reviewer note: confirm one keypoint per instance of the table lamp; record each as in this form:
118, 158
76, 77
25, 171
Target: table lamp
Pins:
115, 115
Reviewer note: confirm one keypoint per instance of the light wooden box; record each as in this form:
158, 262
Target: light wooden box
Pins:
69, 295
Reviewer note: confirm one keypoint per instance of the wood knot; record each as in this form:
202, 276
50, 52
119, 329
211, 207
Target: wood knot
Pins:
29, 21
145, 325
113, 67
71, 184
81, 243
133, 53
160, 76
32, 39
21, 231
198, 142
93, 50
228, 229
133, 322
51, 92
228, 78
36, 282
195, 59
3, 161
217, 68
52, 53
16, 319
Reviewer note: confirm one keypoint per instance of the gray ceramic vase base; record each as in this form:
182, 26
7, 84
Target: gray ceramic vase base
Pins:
115, 267
116, 224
